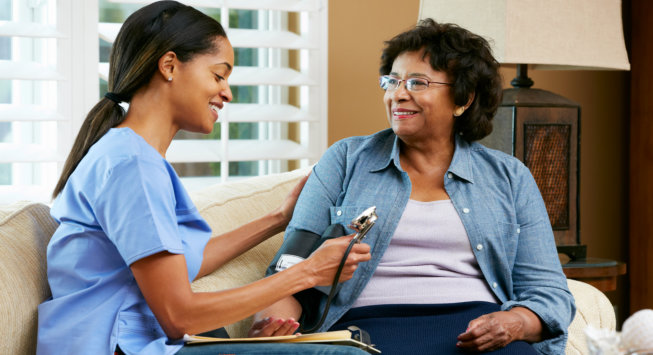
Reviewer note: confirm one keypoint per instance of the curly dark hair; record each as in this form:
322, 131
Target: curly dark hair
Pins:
465, 57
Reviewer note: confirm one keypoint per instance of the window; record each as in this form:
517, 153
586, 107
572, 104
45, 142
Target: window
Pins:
276, 122
40, 95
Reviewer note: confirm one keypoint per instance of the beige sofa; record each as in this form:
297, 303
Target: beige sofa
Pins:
25, 229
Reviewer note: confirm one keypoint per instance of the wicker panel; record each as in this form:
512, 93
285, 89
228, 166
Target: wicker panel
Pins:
547, 154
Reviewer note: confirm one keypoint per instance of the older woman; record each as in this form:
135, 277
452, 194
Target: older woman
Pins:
464, 257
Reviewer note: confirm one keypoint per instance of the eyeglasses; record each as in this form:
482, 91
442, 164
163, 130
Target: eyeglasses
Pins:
391, 83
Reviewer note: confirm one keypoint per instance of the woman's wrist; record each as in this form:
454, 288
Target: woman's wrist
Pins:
532, 325
306, 273
277, 221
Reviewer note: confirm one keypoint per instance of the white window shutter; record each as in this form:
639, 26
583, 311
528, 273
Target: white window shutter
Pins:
54, 69
44, 95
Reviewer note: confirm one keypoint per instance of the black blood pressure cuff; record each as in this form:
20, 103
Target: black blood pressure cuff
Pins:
297, 246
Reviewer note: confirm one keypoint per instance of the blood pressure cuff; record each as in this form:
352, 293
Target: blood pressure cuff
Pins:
297, 246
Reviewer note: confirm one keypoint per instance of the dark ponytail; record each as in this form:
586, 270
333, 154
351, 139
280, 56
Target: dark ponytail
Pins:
145, 36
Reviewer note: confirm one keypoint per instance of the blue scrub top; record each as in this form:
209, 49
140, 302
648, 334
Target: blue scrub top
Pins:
122, 203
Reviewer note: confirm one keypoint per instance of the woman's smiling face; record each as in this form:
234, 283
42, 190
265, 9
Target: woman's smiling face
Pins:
419, 114
201, 88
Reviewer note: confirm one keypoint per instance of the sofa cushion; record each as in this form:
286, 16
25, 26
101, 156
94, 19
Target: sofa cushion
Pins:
25, 230
230, 205
592, 308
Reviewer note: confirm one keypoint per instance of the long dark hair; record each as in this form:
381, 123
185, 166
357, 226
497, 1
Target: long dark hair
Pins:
467, 58
145, 36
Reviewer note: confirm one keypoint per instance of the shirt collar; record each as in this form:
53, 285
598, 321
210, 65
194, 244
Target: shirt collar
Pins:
461, 164
389, 155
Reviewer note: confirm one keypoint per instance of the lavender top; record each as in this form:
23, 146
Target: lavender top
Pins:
429, 260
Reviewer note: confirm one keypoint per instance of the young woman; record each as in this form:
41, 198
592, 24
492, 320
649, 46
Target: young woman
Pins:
130, 240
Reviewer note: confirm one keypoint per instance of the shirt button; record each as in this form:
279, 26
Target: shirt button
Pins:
494, 285
479, 247
518, 230
339, 213
465, 210
449, 175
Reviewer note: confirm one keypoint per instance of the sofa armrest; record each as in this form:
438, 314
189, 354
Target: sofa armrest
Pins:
25, 230
592, 308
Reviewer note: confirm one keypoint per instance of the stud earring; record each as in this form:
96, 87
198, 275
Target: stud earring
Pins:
169, 78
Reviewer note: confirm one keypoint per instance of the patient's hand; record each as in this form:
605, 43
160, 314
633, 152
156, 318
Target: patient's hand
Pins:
270, 327
493, 331
288, 205
277, 319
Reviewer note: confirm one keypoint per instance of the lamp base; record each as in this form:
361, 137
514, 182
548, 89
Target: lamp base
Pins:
522, 80
573, 252
542, 129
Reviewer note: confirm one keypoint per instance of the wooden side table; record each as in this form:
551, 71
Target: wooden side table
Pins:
600, 273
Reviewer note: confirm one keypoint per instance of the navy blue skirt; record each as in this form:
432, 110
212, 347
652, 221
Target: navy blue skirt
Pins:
423, 328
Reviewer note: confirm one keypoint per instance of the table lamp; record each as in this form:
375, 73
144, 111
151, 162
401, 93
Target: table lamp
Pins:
539, 127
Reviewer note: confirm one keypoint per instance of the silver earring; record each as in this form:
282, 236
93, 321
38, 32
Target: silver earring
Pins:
169, 78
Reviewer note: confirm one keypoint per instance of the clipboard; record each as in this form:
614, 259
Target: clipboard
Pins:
337, 337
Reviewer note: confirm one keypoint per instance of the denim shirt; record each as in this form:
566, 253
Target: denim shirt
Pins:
496, 198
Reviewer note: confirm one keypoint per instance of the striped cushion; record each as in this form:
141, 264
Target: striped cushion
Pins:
25, 230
